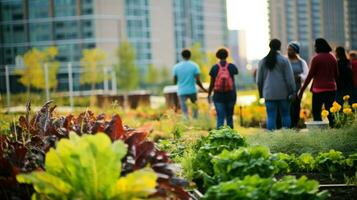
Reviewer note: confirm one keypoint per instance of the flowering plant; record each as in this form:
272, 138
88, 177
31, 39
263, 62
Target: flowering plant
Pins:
343, 114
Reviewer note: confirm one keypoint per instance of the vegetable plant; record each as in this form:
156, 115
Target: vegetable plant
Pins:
332, 161
87, 168
256, 188
245, 161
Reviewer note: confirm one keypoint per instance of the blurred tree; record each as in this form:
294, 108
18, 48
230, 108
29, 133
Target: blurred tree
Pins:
166, 77
126, 70
33, 73
199, 57
92, 63
152, 75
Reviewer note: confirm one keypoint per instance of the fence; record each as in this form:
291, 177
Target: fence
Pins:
9, 77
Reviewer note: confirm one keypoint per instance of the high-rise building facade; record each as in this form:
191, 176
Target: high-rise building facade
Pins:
306, 20
351, 24
70, 25
238, 48
158, 29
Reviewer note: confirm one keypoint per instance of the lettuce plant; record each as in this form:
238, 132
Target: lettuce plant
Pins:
332, 161
245, 161
256, 188
87, 168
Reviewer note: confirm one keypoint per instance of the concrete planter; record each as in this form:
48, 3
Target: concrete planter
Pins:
171, 98
138, 98
317, 125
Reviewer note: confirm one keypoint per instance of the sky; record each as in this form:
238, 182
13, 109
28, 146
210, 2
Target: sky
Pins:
252, 17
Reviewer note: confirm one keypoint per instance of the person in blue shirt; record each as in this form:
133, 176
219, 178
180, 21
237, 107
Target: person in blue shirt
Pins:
186, 75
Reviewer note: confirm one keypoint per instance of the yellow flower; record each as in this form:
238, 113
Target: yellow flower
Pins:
336, 106
333, 109
324, 113
354, 105
347, 111
346, 97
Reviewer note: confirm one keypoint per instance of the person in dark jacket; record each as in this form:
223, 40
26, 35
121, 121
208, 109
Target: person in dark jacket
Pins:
345, 79
324, 71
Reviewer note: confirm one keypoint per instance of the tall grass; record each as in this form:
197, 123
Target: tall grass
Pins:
312, 141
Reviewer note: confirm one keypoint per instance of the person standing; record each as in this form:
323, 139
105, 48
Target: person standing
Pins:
353, 59
186, 76
275, 80
222, 84
345, 79
300, 70
324, 71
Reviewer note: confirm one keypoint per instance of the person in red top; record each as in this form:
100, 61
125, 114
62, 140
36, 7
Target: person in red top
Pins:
324, 72
353, 59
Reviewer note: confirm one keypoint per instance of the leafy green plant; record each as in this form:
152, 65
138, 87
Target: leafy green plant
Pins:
245, 161
332, 161
214, 144
290, 188
88, 167
250, 188
291, 161
254, 188
306, 162
351, 161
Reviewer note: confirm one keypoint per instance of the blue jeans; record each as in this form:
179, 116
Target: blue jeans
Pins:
224, 111
272, 108
193, 99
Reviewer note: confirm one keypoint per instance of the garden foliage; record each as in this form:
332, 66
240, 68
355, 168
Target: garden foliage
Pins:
87, 168
255, 187
24, 148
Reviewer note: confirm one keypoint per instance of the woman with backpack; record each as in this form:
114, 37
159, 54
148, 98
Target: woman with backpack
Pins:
275, 80
300, 70
222, 83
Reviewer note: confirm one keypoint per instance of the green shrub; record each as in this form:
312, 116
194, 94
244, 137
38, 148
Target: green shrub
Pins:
88, 167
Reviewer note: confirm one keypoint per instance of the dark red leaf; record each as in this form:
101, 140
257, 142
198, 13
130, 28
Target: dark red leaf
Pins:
145, 152
116, 130
136, 138
23, 123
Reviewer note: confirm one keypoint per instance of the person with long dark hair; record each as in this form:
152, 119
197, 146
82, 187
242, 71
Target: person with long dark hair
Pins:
324, 71
275, 80
300, 70
345, 79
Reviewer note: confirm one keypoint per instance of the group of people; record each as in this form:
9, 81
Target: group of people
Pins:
281, 81
187, 75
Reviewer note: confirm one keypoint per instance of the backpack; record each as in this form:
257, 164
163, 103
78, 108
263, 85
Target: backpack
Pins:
224, 81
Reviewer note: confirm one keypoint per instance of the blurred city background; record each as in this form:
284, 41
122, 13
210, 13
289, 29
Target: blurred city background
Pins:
61, 48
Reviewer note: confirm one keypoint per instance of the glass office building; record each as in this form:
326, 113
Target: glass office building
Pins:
70, 25
189, 24
306, 20
158, 30
138, 30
